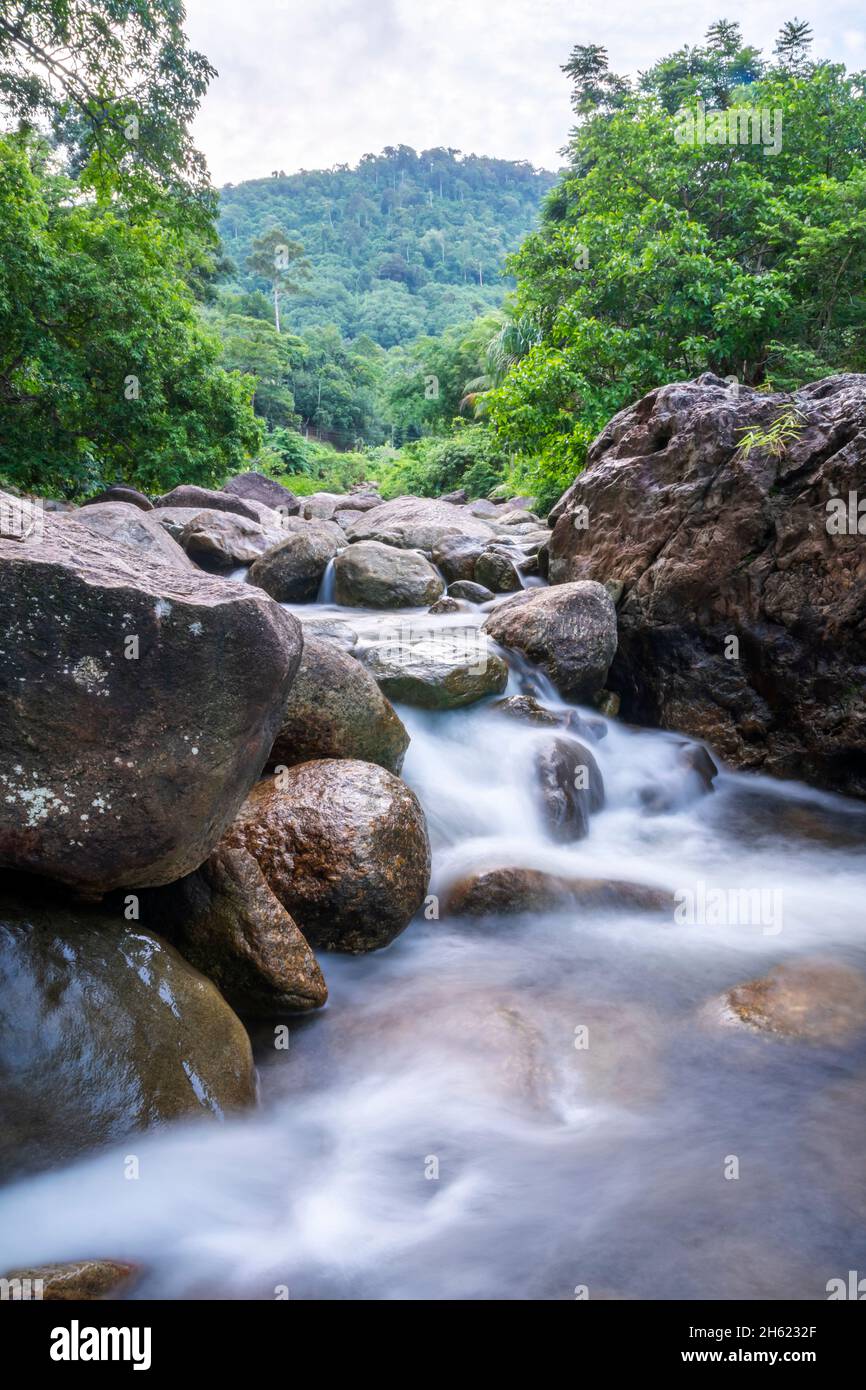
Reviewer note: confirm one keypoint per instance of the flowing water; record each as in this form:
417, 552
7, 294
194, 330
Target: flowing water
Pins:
536, 1106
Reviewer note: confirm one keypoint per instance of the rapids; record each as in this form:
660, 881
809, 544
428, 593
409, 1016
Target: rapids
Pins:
440, 1130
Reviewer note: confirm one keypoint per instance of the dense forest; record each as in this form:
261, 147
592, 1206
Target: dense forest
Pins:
404, 321
404, 245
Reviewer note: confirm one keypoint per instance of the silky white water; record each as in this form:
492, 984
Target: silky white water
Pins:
530, 1107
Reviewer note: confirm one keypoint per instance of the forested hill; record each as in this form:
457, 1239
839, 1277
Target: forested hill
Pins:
403, 245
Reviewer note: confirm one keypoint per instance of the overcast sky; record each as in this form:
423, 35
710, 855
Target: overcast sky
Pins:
304, 84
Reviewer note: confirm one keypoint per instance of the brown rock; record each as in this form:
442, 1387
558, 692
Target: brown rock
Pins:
809, 1000
512, 891
570, 631
343, 845
711, 543
292, 571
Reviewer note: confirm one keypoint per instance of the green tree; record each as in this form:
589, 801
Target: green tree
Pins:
105, 370
272, 256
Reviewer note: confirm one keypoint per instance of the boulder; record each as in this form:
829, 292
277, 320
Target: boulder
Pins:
255, 487
76, 1281
292, 571
344, 847
471, 592
346, 517
127, 523
335, 709
417, 523
455, 556
446, 604
371, 575
119, 493
226, 539
437, 669
496, 571
570, 788
341, 634
458, 498
321, 506
570, 631
514, 891
811, 1001
121, 1034
225, 921
200, 498
715, 542
138, 702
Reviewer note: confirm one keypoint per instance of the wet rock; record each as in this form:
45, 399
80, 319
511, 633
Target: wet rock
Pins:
438, 669
692, 775
496, 572
570, 631
711, 544
78, 1280
121, 1034
119, 769
226, 539
292, 571
371, 575
470, 591
335, 709
514, 891
529, 710
341, 634
225, 921
808, 1000
607, 702
343, 845
119, 493
417, 523
570, 788
255, 487
455, 556
128, 524
447, 605
201, 498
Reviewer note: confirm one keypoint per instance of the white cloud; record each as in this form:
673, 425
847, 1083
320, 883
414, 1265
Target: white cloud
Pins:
310, 84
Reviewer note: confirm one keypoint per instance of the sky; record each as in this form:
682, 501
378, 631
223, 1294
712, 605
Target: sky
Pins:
304, 84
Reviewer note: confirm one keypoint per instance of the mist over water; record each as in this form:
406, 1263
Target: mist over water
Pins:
435, 1133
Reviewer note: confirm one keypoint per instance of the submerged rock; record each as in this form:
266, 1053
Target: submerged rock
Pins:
808, 1000
570, 631
343, 845
292, 571
513, 891
438, 669
335, 709
371, 575
570, 788
121, 1034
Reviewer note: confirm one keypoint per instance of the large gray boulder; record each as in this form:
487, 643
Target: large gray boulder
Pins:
417, 523
371, 575
569, 630
128, 524
104, 1030
225, 539
138, 703
335, 709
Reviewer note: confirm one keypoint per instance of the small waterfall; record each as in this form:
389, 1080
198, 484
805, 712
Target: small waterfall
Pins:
328, 584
